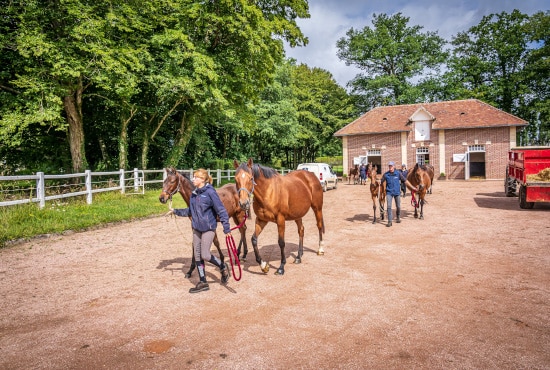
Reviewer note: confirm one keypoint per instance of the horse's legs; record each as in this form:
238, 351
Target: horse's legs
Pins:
281, 231
217, 244
258, 230
373, 210
382, 209
242, 242
321, 228
421, 209
300, 226
193, 264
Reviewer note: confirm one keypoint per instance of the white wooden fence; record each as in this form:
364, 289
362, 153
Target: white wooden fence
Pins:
129, 182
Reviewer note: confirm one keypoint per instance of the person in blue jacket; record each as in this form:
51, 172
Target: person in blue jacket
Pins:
393, 180
205, 205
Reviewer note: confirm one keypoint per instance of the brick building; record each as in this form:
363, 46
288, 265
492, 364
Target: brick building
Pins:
463, 139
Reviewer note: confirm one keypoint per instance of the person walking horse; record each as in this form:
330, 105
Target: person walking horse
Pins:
393, 180
205, 205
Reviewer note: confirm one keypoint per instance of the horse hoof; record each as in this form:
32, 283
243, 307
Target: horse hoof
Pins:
280, 272
421, 217
298, 260
320, 253
265, 269
187, 275
373, 222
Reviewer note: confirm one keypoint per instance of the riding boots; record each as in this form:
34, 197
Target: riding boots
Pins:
225, 274
200, 287
388, 224
398, 211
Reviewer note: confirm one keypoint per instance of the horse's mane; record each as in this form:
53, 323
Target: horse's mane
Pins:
183, 174
267, 172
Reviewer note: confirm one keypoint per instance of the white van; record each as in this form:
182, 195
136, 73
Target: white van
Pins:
324, 173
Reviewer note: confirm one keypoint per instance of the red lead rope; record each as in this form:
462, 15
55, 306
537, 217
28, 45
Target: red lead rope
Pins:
233, 253
413, 200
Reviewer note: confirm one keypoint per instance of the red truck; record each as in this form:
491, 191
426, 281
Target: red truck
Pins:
529, 168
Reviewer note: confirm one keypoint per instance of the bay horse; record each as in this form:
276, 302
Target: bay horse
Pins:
278, 199
176, 182
421, 178
377, 191
353, 172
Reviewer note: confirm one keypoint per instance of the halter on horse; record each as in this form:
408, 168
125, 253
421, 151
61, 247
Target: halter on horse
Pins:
279, 199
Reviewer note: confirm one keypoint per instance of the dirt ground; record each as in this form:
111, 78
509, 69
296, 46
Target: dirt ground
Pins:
468, 287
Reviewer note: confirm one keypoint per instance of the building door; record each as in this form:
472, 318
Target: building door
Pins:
422, 155
375, 157
476, 161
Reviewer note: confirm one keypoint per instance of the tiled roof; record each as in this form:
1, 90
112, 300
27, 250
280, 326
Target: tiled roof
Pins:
456, 114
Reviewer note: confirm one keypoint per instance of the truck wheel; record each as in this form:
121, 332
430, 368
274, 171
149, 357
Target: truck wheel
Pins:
523, 203
335, 184
325, 186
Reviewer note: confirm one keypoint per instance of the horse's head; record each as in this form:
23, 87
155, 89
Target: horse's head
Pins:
419, 177
244, 180
170, 186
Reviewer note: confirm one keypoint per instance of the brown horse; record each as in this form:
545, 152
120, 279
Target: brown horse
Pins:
421, 177
377, 191
279, 199
175, 182
353, 172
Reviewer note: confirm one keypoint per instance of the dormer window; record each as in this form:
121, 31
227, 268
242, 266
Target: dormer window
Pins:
422, 131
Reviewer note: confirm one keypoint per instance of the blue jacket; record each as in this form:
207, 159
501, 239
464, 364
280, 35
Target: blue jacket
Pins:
205, 206
393, 186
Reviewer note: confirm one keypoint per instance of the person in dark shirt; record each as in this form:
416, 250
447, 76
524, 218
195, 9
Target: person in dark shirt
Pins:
393, 179
405, 172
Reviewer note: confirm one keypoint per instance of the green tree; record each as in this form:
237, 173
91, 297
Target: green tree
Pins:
323, 107
537, 74
276, 120
503, 61
391, 54
488, 60
60, 49
159, 67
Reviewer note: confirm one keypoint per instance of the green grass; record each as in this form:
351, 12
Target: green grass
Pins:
28, 220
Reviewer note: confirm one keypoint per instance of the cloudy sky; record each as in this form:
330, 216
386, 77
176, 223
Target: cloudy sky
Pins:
331, 19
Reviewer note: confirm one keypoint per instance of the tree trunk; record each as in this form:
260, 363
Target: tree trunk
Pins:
123, 140
147, 139
182, 139
73, 109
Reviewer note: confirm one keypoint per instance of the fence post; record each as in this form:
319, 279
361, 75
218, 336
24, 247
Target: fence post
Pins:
88, 175
121, 180
136, 180
40, 193
218, 177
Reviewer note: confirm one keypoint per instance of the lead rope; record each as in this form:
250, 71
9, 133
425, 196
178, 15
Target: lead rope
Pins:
232, 251
414, 203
